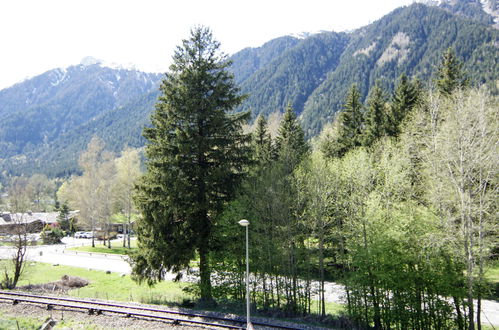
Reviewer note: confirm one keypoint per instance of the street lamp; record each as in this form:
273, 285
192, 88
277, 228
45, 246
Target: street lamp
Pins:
245, 223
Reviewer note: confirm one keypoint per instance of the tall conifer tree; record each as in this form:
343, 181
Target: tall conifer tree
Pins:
196, 155
262, 142
375, 116
290, 142
405, 98
450, 75
349, 126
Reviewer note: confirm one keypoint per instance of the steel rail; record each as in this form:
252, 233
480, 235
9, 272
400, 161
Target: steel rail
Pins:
154, 310
93, 310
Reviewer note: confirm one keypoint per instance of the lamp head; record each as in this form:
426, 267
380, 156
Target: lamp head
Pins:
244, 223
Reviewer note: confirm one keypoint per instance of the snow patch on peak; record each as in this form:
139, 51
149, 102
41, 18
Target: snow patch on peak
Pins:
89, 60
57, 76
491, 8
305, 35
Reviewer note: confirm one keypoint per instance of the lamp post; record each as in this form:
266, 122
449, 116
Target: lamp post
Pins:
245, 223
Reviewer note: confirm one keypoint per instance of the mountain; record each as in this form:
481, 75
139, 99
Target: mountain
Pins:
47, 121
118, 128
37, 111
314, 74
484, 11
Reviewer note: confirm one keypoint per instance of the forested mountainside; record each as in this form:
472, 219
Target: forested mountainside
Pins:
38, 111
49, 119
409, 40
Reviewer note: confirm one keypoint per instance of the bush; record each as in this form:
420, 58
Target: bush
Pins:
52, 235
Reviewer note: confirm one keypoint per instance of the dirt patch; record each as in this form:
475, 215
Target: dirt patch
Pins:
63, 285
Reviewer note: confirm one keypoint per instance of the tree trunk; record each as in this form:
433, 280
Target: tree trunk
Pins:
321, 269
93, 232
124, 234
205, 275
460, 321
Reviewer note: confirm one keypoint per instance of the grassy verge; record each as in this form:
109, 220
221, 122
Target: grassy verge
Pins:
108, 286
116, 248
122, 288
492, 277
10, 322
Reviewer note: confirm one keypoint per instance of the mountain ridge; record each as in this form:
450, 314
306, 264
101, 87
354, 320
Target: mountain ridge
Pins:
312, 74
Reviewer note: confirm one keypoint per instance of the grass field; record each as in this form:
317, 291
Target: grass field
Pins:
9, 322
492, 272
116, 248
108, 286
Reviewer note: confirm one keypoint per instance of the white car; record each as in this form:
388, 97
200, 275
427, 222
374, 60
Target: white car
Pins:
79, 234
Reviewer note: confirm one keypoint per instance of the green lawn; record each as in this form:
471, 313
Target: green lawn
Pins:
10, 322
116, 248
492, 272
107, 286
492, 277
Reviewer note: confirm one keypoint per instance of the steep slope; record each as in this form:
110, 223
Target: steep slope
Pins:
39, 110
409, 40
483, 11
292, 76
119, 128
249, 60
48, 120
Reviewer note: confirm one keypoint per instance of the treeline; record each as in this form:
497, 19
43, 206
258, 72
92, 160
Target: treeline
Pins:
103, 192
396, 200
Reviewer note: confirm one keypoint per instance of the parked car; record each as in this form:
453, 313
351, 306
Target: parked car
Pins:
79, 234
88, 234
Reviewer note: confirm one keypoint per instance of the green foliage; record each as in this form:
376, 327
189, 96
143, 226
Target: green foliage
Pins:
350, 126
196, 156
405, 98
52, 235
376, 116
450, 74
65, 223
290, 142
262, 143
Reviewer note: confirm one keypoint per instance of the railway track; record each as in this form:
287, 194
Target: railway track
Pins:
100, 307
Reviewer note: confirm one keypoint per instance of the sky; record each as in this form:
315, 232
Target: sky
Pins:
37, 36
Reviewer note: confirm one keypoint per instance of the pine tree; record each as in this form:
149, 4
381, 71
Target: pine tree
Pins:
348, 128
196, 157
405, 98
450, 75
262, 142
290, 142
375, 116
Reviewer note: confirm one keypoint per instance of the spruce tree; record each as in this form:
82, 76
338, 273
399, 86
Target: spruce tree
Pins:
450, 75
375, 116
405, 98
349, 127
262, 142
196, 154
290, 141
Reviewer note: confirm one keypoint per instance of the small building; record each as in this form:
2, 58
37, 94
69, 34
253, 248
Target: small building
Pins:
35, 222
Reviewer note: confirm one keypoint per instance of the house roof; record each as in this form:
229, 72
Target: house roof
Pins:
44, 217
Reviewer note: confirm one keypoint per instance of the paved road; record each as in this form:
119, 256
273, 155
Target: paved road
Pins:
60, 255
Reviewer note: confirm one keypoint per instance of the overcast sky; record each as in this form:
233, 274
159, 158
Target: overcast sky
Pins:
37, 35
